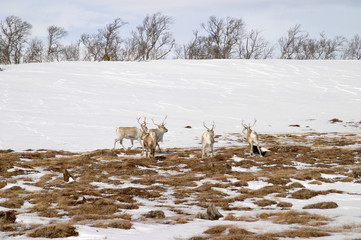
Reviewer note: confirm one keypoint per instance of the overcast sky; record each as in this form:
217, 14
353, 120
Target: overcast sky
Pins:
272, 17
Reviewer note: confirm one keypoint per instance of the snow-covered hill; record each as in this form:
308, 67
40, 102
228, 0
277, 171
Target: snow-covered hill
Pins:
77, 105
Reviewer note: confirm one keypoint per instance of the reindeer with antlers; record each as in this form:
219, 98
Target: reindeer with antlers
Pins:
132, 133
251, 136
208, 140
159, 132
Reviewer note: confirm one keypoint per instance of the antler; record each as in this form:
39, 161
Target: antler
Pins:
205, 126
213, 125
244, 125
164, 120
255, 120
155, 123
144, 124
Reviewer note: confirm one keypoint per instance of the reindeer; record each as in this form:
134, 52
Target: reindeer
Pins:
251, 136
132, 133
149, 143
159, 132
207, 140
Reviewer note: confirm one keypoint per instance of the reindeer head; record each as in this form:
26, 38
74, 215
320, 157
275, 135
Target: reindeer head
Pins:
143, 126
247, 129
162, 125
211, 131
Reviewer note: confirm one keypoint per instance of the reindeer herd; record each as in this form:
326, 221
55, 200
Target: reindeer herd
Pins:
149, 138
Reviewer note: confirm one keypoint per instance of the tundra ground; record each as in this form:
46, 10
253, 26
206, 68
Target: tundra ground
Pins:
299, 189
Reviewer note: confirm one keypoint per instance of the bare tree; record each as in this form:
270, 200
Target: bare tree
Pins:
54, 47
13, 36
353, 48
93, 47
35, 51
152, 40
71, 52
330, 47
255, 46
105, 44
195, 49
291, 45
310, 49
223, 35
112, 41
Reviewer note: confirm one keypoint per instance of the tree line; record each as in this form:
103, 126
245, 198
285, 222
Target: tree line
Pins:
217, 38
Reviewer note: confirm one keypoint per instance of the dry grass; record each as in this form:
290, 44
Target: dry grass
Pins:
61, 230
265, 202
293, 217
179, 180
321, 205
304, 232
158, 214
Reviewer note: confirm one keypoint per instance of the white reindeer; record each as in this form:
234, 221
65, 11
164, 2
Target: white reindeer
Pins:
251, 137
132, 133
149, 143
159, 132
207, 140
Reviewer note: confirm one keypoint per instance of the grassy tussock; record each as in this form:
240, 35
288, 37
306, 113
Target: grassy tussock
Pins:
293, 217
61, 230
321, 205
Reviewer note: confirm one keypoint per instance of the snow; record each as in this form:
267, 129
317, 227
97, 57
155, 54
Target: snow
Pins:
75, 106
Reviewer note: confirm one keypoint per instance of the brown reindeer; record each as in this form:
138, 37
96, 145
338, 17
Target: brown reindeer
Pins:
149, 143
159, 132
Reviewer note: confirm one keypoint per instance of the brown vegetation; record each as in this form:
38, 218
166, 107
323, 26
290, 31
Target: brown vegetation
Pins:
108, 185
61, 230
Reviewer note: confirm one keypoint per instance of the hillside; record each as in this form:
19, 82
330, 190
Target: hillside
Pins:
59, 118
77, 105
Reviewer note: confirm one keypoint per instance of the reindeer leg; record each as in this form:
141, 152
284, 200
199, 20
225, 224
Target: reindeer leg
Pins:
115, 141
160, 150
212, 150
141, 144
251, 148
202, 152
132, 142
259, 150
121, 143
